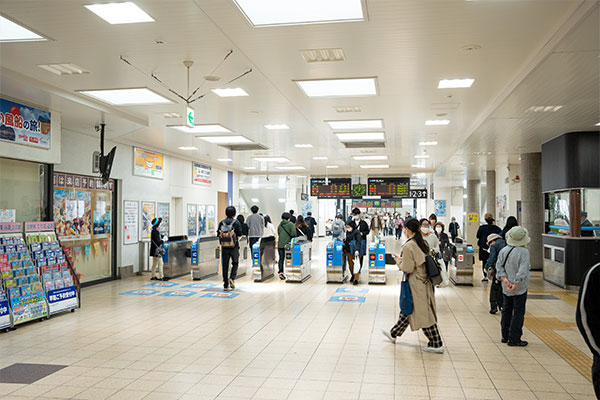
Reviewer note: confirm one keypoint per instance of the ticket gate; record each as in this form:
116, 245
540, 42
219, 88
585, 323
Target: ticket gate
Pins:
465, 258
263, 260
377, 261
297, 260
335, 261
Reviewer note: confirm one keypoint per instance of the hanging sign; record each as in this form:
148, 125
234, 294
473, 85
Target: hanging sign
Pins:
130, 221
24, 125
201, 174
190, 117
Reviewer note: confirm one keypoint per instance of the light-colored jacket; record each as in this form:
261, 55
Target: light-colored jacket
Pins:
256, 225
515, 269
270, 231
413, 263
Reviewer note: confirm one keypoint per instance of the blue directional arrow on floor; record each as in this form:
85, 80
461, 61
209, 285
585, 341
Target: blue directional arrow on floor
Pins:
178, 293
347, 299
162, 284
140, 292
352, 290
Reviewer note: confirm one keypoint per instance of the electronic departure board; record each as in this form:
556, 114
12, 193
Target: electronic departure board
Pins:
335, 187
390, 188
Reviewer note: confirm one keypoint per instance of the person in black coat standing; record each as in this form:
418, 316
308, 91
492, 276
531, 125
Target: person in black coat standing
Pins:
482, 234
156, 243
229, 232
588, 319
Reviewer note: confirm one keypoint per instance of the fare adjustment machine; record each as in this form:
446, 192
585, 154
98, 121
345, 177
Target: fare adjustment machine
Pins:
463, 273
297, 260
377, 261
335, 261
263, 260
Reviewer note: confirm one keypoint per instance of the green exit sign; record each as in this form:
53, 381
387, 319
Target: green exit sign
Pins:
189, 120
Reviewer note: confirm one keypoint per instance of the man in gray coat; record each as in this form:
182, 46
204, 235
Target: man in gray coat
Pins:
256, 225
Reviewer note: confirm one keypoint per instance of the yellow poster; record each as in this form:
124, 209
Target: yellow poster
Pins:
147, 163
96, 248
473, 217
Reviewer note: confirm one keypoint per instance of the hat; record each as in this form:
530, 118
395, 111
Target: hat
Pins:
584, 214
492, 236
517, 236
156, 221
488, 216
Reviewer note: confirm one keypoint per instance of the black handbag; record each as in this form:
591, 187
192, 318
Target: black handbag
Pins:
434, 270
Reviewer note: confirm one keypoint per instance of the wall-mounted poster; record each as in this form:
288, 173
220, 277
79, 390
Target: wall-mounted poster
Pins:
148, 214
201, 174
102, 214
72, 214
201, 220
439, 208
192, 221
8, 215
24, 125
501, 208
147, 163
162, 211
130, 221
210, 220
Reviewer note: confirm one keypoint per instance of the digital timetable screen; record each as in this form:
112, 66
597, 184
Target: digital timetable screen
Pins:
389, 187
335, 188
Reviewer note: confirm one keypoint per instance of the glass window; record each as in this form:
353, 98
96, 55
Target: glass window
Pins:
22, 185
558, 204
590, 204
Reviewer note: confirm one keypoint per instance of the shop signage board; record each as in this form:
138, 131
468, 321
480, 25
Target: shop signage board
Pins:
4, 314
24, 125
148, 214
347, 299
8, 215
140, 292
11, 227
148, 164
39, 226
62, 299
201, 174
130, 221
71, 181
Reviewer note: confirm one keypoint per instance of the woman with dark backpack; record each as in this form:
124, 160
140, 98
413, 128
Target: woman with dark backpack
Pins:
423, 316
156, 251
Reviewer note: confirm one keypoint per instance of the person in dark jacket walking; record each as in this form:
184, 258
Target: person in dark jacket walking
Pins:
351, 247
156, 243
496, 243
482, 233
311, 222
303, 228
292, 217
445, 249
453, 228
285, 232
588, 319
229, 232
364, 230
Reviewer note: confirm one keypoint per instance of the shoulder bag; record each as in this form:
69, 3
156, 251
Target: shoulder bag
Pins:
406, 300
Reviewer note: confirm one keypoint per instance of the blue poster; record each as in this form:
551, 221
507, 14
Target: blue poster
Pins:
162, 284
178, 293
439, 208
219, 295
140, 292
199, 286
352, 290
347, 299
24, 125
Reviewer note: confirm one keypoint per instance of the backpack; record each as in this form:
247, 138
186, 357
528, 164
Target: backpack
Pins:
337, 228
227, 236
434, 270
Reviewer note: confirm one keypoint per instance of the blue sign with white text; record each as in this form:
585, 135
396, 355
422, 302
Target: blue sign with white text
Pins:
352, 290
347, 299
199, 286
57, 295
177, 293
140, 292
220, 295
3, 308
162, 284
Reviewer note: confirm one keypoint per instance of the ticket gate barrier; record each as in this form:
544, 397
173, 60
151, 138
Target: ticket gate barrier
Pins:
377, 261
465, 258
297, 260
263, 259
335, 261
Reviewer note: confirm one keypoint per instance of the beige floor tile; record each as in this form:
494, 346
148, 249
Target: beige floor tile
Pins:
64, 392
129, 395
447, 392
507, 394
483, 394
32, 390
95, 394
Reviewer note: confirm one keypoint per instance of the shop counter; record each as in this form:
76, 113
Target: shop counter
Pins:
566, 258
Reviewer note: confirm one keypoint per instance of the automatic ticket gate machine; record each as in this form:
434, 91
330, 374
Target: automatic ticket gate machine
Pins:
465, 258
377, 261
263, 260
297, 260
335, 261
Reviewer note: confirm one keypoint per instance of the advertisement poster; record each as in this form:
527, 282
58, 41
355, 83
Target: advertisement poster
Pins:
148, 213
439, 208
192, 222
24, 125
201, 220
201, 174
72, 214
130, 221
148, 164
102, 214
8, 215
162, 211
211, 220
501, 208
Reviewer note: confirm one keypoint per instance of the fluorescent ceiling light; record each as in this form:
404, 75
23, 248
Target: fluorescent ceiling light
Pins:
12, 32
225, 139
356, 124
64, 69
332, 166
213, 128
422, 156
350, 87
370, 158
127, 97
290, 167
188, 148
271, 159
254, 200
598, 124
120, 13
544, 108
276, 126
249, 168
437, 122
171, 115
281, 200
417, 166
303, 145
428, 143
230, 92
362, 136
455, 83
465, 196
292, 12
224, 159
373, 166
319, 158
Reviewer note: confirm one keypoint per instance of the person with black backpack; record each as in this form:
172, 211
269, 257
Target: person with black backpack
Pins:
229, 232
157, 251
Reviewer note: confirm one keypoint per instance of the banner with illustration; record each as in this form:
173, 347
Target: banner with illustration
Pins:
201, 174
210, 218
192, 221
102, 214
72, 214
148, 214
439, 208
147, 163
162, 211
24, 125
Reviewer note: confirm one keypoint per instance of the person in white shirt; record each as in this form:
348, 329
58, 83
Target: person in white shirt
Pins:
429, 236
270, 231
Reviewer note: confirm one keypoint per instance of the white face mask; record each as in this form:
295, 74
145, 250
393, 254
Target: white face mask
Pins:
438, 230
425, 230
356, 217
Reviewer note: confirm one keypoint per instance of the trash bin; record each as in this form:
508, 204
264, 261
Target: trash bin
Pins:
144, 262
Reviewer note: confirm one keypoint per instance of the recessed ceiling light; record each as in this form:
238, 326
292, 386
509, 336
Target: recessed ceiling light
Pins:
322, 55
303, 145
319, 158
372, 166
276, 126
120, 13
370, 158
212, 128
230, 92
428, 143
347, 109
225, 139
332, 166
188, 148
417, 166
544, 108
347, 87
422, 156
290, 167
171, 115
598, 124
289, 12
127, 97
361, 136
356, 124
281, 200
12, 32
249, 168
224, 159
436, 122
64, 69
254, 200
271, 159
455, 83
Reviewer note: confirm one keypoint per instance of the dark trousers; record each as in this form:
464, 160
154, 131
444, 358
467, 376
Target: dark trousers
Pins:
596, 375
253, 240
398, 232
233, 254
453, 236
513, 315
281, 259
496, 296
483, 256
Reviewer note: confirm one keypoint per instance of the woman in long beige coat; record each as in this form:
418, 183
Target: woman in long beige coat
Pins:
424, 316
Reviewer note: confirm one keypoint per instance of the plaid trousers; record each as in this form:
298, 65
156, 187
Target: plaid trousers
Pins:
432, 333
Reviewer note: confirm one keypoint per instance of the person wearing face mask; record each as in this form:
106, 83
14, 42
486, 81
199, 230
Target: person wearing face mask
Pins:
482, 234
453, 228
445, 250
429, 236
363, 228
351, 250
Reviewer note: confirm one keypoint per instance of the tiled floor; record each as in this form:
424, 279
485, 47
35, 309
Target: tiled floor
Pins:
287, 341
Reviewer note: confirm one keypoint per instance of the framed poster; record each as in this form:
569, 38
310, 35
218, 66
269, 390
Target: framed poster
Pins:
72, 214
8, 215
201, 220
192, 220
130, 221
24, 125
211, 220
147, 163
439, 208
148, 214
102, 213
201, 174
162, 211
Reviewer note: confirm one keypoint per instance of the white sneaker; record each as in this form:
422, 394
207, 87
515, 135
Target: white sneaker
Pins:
388, 335
436, 350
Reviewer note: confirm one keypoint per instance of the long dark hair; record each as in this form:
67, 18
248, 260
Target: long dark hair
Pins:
267, 220
511, 222
300, 222
415, 227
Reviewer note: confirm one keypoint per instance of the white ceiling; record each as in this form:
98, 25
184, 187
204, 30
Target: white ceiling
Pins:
409, 45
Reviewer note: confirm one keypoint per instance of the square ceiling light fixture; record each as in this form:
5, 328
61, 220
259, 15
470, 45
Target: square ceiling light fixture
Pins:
249, 168
344, 87
225, 139
375, 166
455, 83
120, 13
127, 97
319, 158
370, 158
332, 166
230, 92
224, 159
188, 148
361, 137
356, 124
437, 122
262, 13
433, 143
271, 159
208, 128
290, 167
303, 145
272, 127
12, 32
